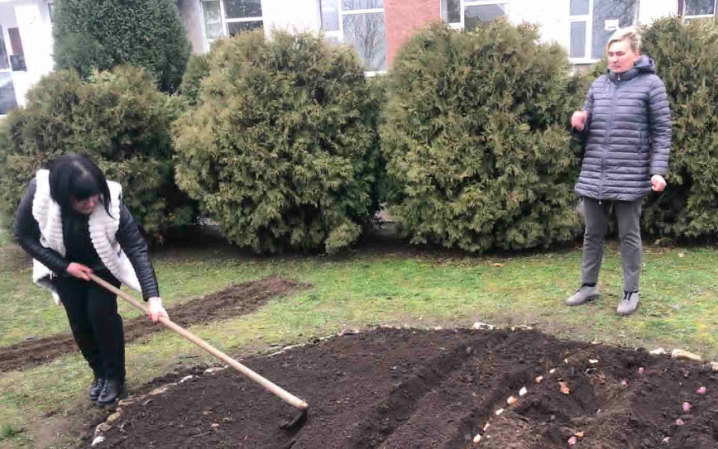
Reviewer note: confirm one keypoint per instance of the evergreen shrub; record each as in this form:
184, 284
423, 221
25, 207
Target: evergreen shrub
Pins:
282, 149
118, 119
102, 34
477, 139
687, 61
197, 70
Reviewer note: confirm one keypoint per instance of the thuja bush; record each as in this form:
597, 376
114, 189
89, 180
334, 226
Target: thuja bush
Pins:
282, 148
477, 141
197, 70
102, 34
687, 61
118, 119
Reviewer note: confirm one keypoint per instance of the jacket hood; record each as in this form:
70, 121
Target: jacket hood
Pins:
643, 65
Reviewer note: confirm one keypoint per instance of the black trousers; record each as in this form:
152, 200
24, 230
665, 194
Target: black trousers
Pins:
95, 323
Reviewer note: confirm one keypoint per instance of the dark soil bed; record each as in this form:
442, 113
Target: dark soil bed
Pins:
393, 388
236, 300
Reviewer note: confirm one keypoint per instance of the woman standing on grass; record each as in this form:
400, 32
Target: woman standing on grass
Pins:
627, 120
72, 221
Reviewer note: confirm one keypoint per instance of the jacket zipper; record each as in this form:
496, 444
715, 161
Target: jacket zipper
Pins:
606, 141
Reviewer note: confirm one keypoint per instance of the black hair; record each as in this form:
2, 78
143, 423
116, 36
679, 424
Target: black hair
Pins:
75, 177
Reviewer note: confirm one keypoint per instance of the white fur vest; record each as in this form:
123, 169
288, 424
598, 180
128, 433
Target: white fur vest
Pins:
102, 228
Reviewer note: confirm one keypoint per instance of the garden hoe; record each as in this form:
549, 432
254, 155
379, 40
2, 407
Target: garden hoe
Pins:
271, 387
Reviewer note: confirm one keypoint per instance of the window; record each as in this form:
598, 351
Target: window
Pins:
4, 61
580, 45
229, 17
7, 93
470, 13
698, 9
17, 59
7, 88
592, 24
360, 24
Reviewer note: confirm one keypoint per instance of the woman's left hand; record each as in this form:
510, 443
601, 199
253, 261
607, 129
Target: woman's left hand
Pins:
155, 309
658, 183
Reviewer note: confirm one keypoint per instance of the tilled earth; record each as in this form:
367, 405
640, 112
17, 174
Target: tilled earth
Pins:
403, 388
239, 299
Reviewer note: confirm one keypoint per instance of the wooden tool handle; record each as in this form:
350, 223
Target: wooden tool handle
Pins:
268, 385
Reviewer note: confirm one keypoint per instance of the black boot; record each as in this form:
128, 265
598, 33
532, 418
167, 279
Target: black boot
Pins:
112, 390
96, 387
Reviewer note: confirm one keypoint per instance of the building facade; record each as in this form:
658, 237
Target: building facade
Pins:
25, 48
375, 28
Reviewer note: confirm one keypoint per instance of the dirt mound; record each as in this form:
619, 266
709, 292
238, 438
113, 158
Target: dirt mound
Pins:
422, 389
234, 301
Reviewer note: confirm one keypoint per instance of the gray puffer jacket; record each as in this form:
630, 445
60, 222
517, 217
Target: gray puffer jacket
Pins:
629, 134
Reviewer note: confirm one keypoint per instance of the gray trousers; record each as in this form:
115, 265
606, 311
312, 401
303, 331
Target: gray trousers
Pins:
628, 214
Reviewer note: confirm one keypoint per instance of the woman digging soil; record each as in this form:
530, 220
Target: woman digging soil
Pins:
73, 223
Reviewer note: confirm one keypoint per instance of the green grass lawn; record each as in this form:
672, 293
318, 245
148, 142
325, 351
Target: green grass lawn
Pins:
40, 407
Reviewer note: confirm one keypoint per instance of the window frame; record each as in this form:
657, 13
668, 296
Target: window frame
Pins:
7, 49
699, 16
8, 70
588, 46
339, 34
463, 4
223, 17
588, 18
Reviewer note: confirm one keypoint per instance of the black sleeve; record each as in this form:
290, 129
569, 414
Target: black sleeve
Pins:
134, 245
27, 234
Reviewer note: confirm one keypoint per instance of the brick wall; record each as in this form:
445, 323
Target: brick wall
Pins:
403, 17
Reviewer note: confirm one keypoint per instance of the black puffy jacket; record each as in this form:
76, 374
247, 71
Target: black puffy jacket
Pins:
629, 134
78, 245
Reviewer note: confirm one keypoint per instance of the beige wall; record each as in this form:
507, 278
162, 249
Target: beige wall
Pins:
32, 18
191, 14
552, 17
651, 10
293, 15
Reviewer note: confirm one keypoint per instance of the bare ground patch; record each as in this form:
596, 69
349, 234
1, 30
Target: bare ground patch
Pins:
406, 388
240, 299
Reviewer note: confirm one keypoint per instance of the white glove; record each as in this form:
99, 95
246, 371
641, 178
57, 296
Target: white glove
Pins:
155, 309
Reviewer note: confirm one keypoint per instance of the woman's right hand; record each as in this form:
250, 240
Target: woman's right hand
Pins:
578, 120
79, 271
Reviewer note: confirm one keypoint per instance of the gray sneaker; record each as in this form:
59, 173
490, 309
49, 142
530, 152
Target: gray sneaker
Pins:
583, 295
629, 303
